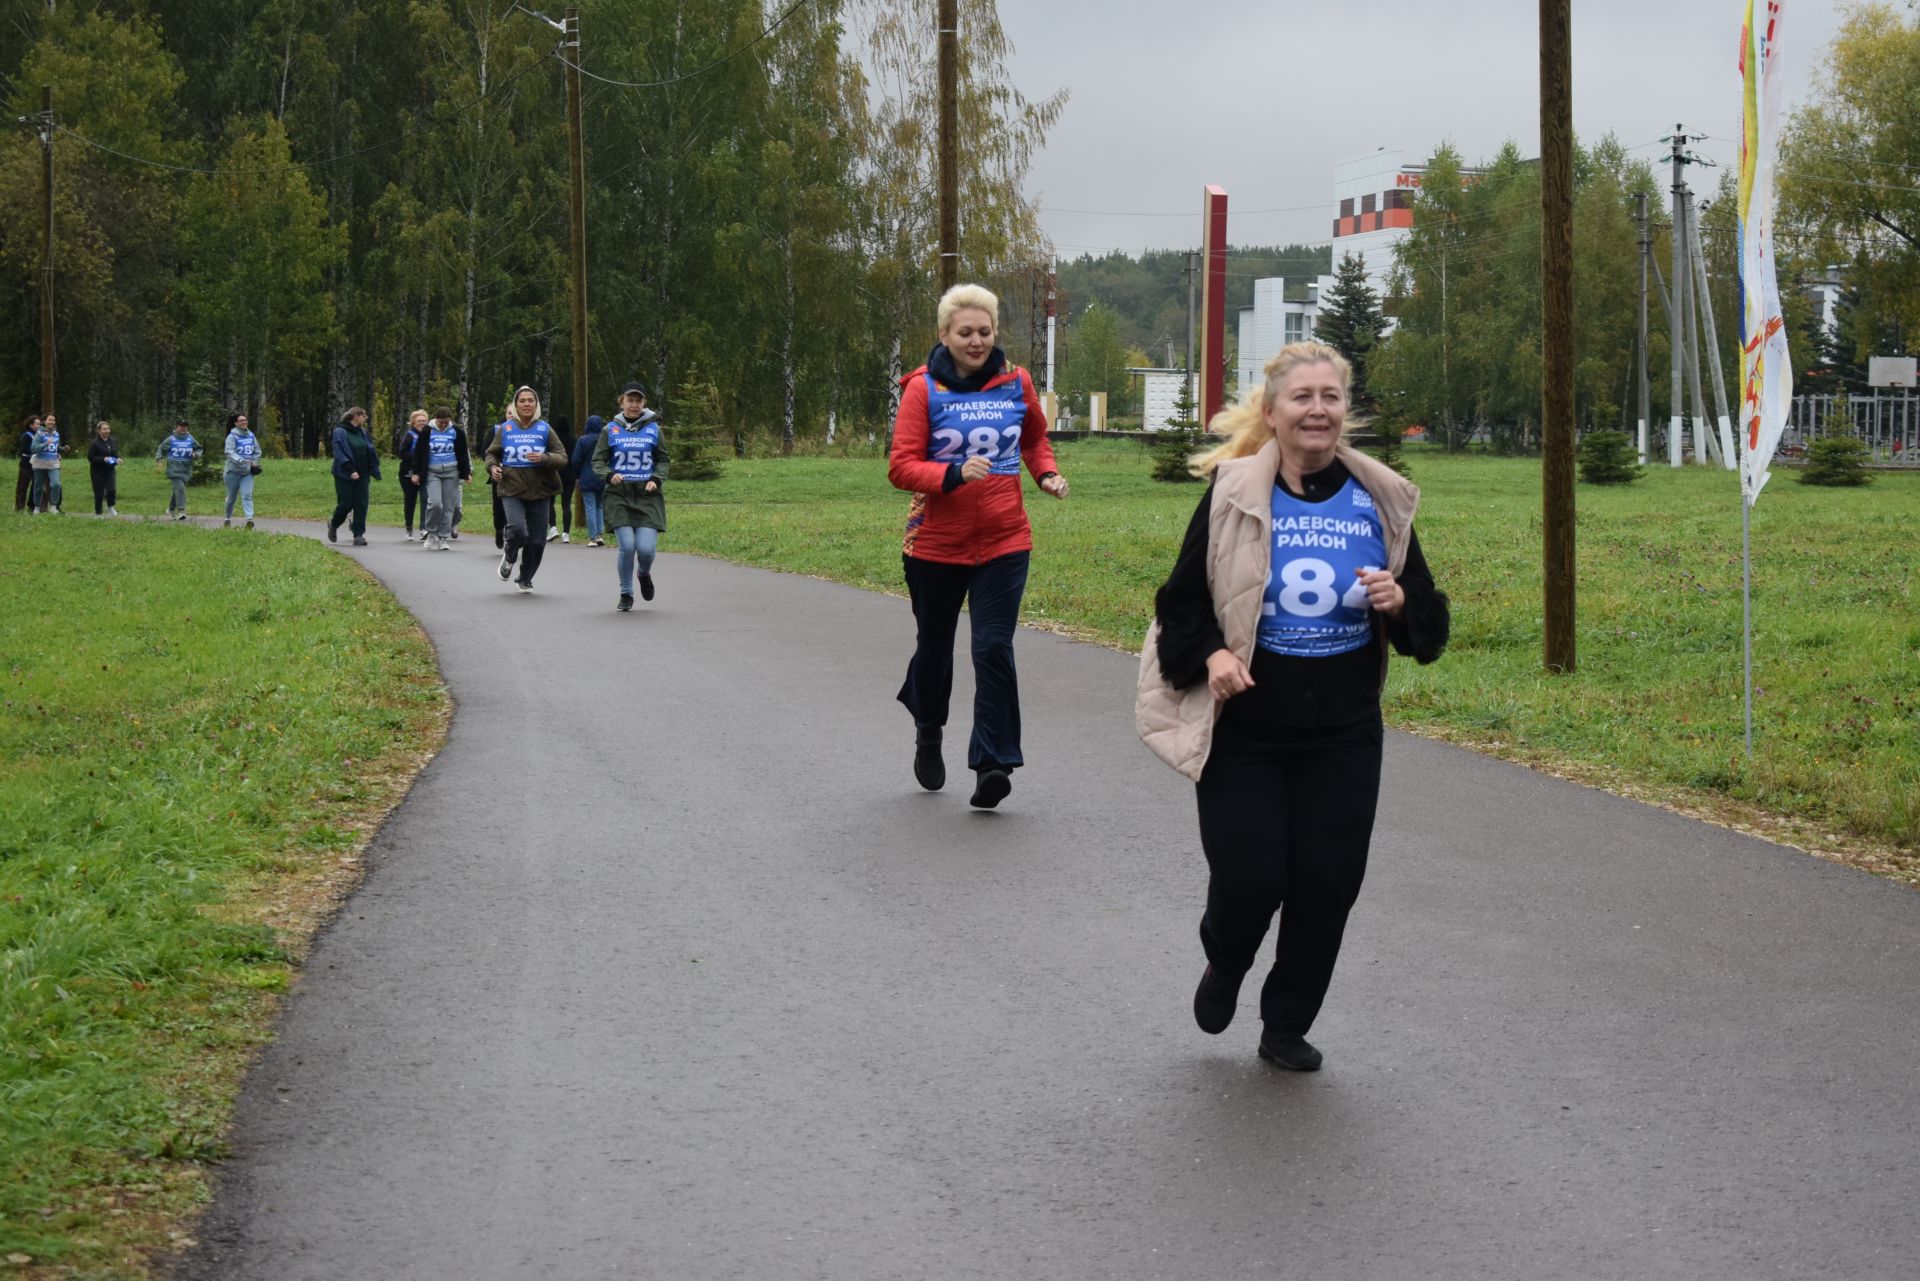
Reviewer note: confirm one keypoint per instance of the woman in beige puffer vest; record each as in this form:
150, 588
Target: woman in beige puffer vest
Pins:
1261, 681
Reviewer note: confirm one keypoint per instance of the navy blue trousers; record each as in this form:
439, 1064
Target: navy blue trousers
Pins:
992, 595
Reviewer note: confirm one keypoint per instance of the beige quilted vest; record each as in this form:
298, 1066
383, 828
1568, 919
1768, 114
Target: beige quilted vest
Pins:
1178, 724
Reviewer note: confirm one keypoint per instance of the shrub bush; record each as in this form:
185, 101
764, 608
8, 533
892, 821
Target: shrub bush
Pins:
1609, 458
1836, 460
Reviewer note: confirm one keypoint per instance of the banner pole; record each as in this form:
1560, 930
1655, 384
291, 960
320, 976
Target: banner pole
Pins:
1746, 606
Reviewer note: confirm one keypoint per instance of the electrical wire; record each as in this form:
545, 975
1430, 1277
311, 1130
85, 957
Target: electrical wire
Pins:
777, 23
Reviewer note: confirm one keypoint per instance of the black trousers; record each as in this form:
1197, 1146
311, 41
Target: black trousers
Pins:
23, 486
992, 593
350, 501
1285, 818
565, 502
410, 496
526, 539
105, 488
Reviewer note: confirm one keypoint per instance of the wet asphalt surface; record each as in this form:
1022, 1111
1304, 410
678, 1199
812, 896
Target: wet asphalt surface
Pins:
667, 969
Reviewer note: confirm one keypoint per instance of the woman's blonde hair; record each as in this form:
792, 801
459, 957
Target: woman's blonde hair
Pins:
418, 413
961, 298
1244, 423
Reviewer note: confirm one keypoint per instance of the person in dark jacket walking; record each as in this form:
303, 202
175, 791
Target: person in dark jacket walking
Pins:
178, 452
1261, 677
634, 461
968, 421
23, 487
356, 465
404, 445
441, 465
588, 480
103, 469
525, 459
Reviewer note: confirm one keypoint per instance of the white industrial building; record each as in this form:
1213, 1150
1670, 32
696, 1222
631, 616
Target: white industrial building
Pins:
1160, 401
1273, 322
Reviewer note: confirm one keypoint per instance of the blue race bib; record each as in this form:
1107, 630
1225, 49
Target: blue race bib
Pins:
247, 446
1315, 605
50, 444
977, 424
440, 445
630, 453
517, 442
180, 448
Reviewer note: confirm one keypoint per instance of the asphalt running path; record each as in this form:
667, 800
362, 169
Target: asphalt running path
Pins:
666, 969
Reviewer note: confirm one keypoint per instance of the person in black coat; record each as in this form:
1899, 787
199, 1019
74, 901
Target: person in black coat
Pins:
103, 468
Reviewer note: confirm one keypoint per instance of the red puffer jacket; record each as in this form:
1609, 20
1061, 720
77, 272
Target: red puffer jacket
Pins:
980, 519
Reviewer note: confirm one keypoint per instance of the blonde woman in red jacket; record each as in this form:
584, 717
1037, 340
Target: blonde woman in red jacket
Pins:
968, 422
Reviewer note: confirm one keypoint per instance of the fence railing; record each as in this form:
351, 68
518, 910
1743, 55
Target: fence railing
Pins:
1887, 423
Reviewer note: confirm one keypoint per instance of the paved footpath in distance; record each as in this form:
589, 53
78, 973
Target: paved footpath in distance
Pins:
667, 969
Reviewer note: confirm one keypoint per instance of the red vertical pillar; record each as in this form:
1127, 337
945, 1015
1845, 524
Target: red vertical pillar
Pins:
1213, 302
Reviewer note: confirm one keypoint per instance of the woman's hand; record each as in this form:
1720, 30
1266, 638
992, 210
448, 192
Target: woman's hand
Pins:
615, 479
1056, 485
1227, 675
974, 468
653, 487
353, 476
1384, 595
494, 471
536, 456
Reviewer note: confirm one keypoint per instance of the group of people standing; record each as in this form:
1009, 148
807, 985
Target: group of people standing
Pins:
1261, 676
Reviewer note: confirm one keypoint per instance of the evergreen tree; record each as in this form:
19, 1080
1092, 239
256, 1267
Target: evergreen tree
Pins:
1179, 439
1608, 458
1351, 322
1836, 461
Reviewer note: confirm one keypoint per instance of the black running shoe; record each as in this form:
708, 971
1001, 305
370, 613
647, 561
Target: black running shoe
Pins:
506, 566
1288, 1051
333, 532
646, 587
992, 787
1214, 1001
928, 769
626, 603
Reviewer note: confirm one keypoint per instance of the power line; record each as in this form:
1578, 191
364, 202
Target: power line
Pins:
777, 23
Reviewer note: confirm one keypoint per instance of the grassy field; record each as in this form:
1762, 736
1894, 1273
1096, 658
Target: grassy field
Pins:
1654, 709
199, 731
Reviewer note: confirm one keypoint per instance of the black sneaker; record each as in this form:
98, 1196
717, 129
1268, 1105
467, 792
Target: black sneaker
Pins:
646, 587
333, 532
991, 788
227, 523
1283, 1049
626, 603
249, 522
928, 769
359, 541
1214, 1001
506, 566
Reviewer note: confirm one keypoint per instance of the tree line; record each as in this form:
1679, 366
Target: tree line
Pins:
285, 207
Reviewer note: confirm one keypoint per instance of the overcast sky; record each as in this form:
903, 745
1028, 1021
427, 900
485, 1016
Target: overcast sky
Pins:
1263, 96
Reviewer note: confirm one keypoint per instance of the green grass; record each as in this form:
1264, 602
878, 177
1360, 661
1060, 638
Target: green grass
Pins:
197, 730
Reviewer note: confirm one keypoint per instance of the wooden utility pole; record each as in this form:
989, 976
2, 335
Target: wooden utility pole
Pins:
570, 43
46, 250
949, 143
1556, 269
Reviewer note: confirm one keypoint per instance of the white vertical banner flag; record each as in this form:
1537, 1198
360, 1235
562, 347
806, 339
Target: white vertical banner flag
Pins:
1766, 372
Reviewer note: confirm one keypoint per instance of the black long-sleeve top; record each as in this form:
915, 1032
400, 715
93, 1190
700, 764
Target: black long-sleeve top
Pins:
1290, 691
